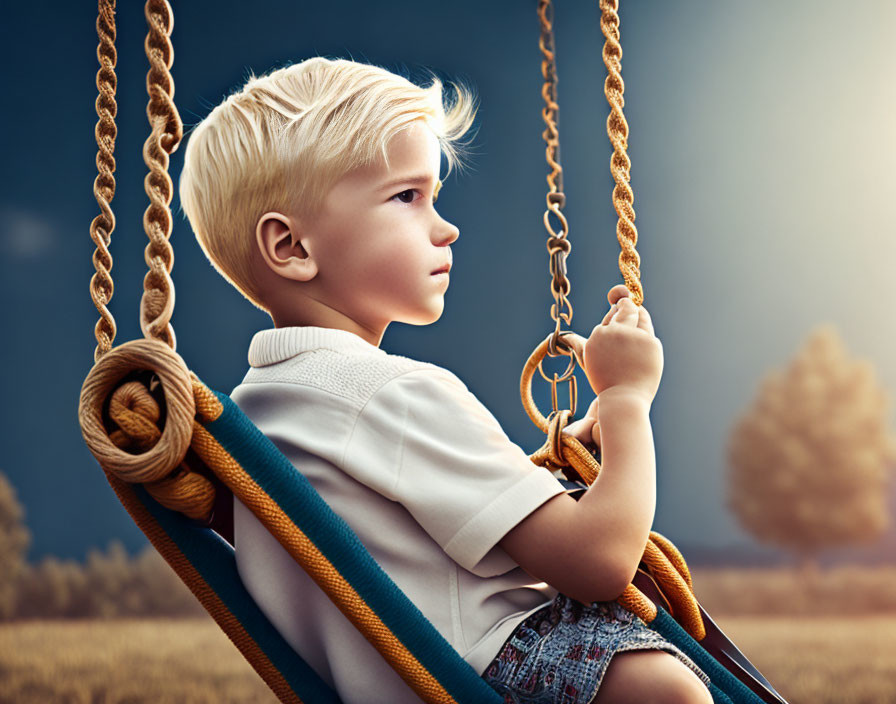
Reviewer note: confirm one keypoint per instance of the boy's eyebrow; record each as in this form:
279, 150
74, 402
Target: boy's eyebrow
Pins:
422, 178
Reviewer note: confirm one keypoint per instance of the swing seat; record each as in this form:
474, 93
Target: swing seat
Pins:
248, 464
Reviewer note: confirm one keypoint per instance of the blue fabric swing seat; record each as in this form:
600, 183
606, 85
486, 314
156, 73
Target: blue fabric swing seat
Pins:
212, 559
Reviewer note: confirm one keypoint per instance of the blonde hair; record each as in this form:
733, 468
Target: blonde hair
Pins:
285, 139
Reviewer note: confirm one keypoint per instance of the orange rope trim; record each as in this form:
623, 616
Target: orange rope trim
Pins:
319, 568
201, 590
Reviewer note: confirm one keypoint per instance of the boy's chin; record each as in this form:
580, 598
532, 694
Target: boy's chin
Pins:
423, 318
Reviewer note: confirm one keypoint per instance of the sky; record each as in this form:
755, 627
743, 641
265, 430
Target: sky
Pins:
761, 138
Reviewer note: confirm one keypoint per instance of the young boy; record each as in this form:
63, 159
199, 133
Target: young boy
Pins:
312, 191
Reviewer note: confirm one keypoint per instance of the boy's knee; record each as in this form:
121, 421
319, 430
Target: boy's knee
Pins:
678, 684
650, 676
687, 688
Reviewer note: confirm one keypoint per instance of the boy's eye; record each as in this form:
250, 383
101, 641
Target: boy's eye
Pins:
406, 196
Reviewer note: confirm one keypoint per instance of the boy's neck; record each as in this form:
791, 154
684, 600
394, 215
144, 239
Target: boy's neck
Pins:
322, 316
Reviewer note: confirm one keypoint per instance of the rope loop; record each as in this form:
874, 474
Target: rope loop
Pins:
137, 411
564, 452
119, 411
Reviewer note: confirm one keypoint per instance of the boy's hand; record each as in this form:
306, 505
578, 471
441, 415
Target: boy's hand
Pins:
622, 353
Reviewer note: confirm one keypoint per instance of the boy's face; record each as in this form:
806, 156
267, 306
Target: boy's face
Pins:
379, 238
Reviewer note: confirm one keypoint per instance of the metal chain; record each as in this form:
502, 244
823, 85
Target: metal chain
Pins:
620, 164
157, 303
101, 286
558, 243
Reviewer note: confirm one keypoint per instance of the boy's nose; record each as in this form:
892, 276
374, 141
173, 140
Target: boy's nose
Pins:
450, 235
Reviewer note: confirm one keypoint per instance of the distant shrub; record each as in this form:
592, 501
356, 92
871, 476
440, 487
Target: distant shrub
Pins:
843, 590
14, 541
108, 585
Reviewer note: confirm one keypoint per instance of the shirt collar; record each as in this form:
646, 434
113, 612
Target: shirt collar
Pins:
278, 344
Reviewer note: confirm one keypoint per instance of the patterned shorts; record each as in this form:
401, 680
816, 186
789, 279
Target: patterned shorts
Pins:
559, 654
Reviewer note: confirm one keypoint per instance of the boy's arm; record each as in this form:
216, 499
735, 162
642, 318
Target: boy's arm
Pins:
590, 549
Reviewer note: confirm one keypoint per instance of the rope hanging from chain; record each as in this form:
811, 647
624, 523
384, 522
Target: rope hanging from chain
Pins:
157, 303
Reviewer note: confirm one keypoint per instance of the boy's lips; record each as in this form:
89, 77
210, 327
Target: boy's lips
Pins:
442, 270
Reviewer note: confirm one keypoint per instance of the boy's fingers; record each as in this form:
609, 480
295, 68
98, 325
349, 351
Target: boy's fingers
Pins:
593, 410
644, 320
609, 315
626, 313
580, 429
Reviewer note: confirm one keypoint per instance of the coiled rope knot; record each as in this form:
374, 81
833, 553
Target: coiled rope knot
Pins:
565, 452
137, 450
137, 414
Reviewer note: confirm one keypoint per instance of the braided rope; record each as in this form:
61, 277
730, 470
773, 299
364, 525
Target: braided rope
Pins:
675, 557
101, 286
157, 303
620, 165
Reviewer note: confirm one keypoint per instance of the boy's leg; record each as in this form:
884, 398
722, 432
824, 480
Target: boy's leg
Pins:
650, 677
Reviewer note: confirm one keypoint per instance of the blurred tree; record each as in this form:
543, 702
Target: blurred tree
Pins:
14, 541
52, 589
164, 593
811, 460
112, 589
109, 585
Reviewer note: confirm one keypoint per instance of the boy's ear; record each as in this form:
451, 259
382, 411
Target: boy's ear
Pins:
282, 250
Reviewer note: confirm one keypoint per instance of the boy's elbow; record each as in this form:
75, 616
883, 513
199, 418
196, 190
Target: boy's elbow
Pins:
583, 570
608, 579
624, 575
597, 578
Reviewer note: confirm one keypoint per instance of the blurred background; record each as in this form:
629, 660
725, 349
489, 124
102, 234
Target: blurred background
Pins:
762, 144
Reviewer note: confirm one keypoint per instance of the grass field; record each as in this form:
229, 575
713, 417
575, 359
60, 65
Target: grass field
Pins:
810, 660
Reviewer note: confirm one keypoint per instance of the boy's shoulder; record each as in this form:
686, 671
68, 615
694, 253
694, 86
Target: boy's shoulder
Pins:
333, 361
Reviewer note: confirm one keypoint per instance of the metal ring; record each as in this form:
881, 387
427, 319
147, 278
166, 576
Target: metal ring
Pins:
533, 363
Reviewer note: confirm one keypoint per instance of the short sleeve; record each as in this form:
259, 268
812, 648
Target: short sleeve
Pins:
424, 440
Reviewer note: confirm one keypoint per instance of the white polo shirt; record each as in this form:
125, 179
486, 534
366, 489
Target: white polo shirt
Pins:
424, 475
